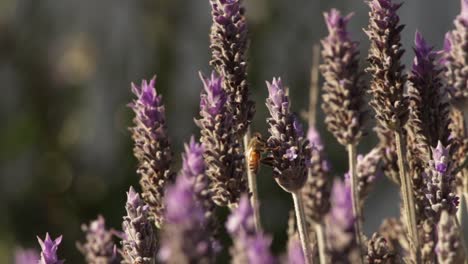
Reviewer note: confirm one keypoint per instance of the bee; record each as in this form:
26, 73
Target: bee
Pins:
257, 146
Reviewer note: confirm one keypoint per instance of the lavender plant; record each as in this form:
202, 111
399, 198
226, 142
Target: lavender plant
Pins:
175, 221
343, 100
224, 163
139, 241
249, 246
228, 47
26, 256
49, 249
152, 148
99, 246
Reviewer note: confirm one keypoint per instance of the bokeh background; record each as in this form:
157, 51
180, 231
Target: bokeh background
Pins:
65, 72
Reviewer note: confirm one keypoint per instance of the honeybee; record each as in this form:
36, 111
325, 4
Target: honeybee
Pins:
256, 147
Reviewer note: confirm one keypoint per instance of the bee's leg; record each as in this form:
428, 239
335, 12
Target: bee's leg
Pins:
267, 161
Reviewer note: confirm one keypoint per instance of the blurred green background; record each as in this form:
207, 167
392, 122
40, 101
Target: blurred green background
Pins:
65, 72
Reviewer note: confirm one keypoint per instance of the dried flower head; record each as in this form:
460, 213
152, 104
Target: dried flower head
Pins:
316, 190
49, 249
388, 78
449, 247
394, 232
440, 190
378, 251
290, 150
249, 246
223, 155
340, 225
228, 46
460, 139
456, 58
99, 246
185, 237
26, 256
139, 241
343, 99
152, 148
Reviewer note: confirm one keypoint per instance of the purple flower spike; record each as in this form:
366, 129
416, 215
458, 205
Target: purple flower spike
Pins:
139, 242
316, 191
228, 47
249, 246
49, 249
385, 66
26, 256
186, 236
214, 99
340, 225
343, 87
291, 152
99, 246
440, 191
455, 58
152, 148
224, 163
295, 253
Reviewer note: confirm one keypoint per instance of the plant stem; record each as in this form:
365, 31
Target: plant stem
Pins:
407, 194
355, 197
302, 226
252, 181
314, 89
321, 242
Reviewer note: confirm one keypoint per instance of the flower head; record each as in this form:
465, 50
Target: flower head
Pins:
291, 152
249, 246
49, 249
222, 152
385, 66
229, 46
26, 256
343, 88
440, 191
139, 242
185, 236
449, 247
99, 246
151, 146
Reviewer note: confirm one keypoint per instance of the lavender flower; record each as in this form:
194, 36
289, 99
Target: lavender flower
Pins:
224, 163
429, 115
295, 253
378, 251
439, 190
193, 168
340, 225
456, 57
152, 148
99, 246
387, 86
49, 249
449, 247
388, 153
185, 237
343, 88
395, 234
26, 256
290, 150
316, 190
249, 246
368, 169
139, 242
228, 46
